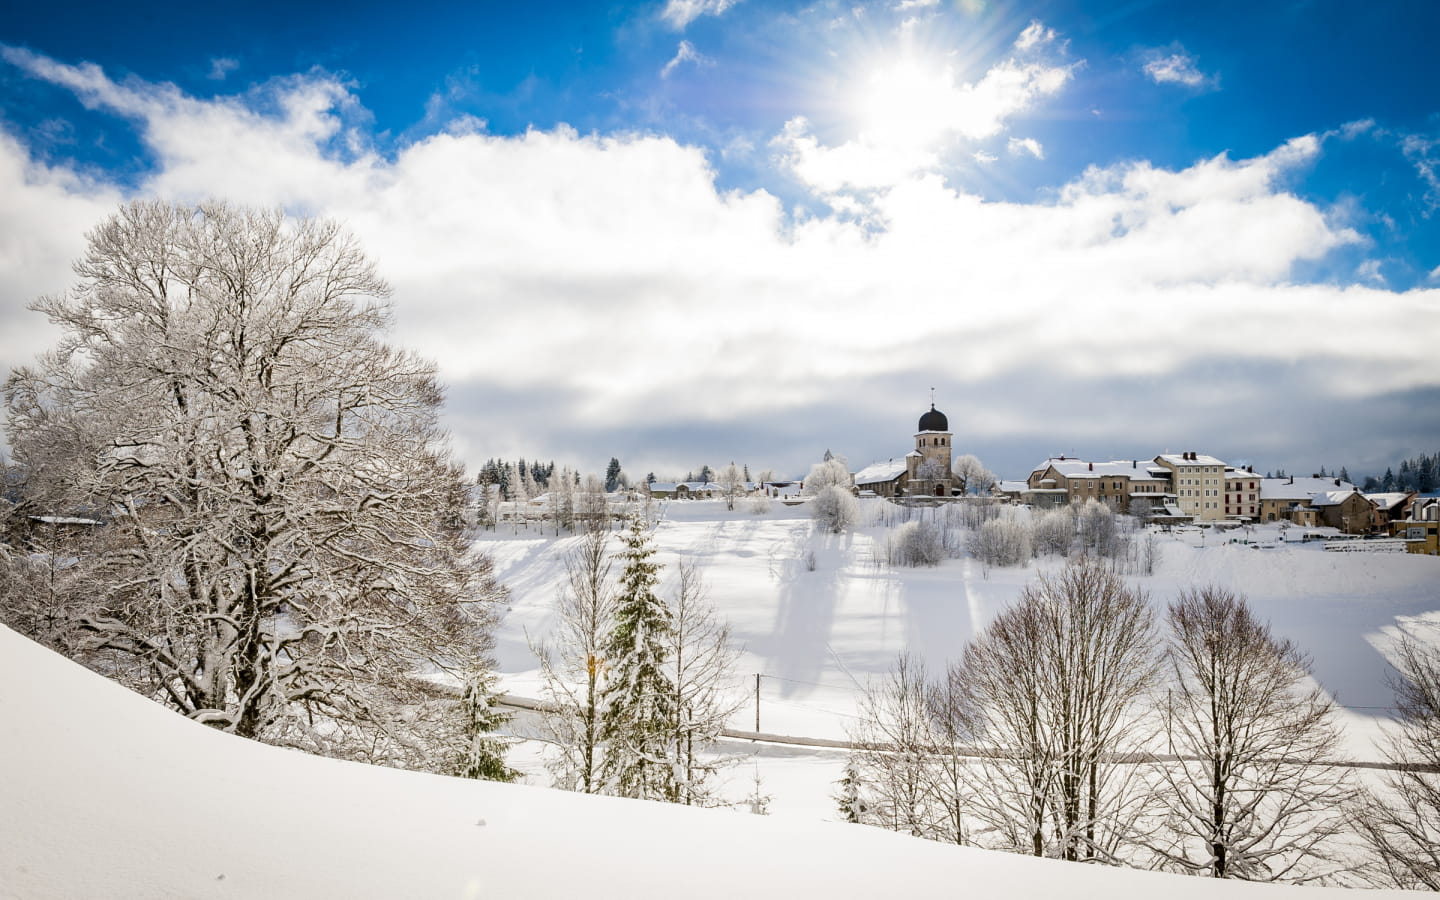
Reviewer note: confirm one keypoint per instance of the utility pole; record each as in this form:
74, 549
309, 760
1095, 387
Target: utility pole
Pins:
757, 702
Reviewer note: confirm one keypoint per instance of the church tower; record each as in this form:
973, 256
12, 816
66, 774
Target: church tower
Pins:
928, 465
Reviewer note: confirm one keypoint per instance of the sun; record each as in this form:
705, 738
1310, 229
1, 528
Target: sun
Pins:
906, 103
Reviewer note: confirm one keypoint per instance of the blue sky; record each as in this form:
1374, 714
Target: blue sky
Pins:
690, 231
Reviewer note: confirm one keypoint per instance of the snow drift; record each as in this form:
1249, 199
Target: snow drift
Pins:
105, 794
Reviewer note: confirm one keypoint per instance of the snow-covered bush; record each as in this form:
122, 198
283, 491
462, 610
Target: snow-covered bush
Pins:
1001, 542
1099, 533
919, 543
834, 509
759, 504
1054, 531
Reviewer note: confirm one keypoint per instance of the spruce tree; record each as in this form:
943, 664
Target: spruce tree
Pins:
639, 698
612, 476
483, 753
847, 798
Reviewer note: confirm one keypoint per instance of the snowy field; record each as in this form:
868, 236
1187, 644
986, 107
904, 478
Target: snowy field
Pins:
816, 636
108, 795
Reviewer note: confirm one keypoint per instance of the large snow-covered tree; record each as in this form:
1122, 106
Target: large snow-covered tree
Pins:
974, 478
639, 716
1250, 795
282, 548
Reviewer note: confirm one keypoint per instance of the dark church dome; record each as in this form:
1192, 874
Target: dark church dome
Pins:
934, 420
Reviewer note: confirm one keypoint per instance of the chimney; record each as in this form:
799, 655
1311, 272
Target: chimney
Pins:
1337, 482
1092, 467
1292, 480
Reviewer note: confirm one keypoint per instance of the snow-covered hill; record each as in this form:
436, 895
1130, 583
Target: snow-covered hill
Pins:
105, 794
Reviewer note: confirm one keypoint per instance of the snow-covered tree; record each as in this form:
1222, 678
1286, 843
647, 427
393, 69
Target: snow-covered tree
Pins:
574, 666
732, 485
639, 696
612, 476
849, 801
1249, 795
284, 541
834, 509
974, 478
482, 753
828, 473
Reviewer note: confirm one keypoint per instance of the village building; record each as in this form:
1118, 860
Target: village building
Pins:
923, 472
1242, 495
1198, 482
1123, 484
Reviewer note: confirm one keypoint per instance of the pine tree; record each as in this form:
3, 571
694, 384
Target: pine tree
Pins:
847, 798
639, 713
1387, 483
1344, 474
612, 476
707, 474
483, 756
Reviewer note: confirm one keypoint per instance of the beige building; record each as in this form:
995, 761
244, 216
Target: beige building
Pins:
1242, 494
1120, 483
1198, 482
1285, 499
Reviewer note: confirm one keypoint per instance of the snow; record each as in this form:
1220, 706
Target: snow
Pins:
817, 636
1199, 459
106, 794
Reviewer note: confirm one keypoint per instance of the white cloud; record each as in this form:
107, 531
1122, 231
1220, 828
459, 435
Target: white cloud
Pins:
684, 53
222, 66
680, 13
575, 279
1369, 270
1172, 65
1031, 146
1034, 35
981, 156
1422, 153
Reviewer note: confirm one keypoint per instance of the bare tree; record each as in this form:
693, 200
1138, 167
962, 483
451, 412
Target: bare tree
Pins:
1402, 824
702, 664
1054, 686
1249, 795
283, 544
573, 663
897, 750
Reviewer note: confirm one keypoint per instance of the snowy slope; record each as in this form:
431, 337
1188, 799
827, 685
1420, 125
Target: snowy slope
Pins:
105, 794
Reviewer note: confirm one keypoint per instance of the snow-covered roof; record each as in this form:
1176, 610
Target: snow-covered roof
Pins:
1387, 501
1200, 459
1332, 498
1115, 468
1240, 475
1300, 488
692, 486
880, 472
1012, 487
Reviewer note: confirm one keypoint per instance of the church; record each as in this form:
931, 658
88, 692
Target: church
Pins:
923, 472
